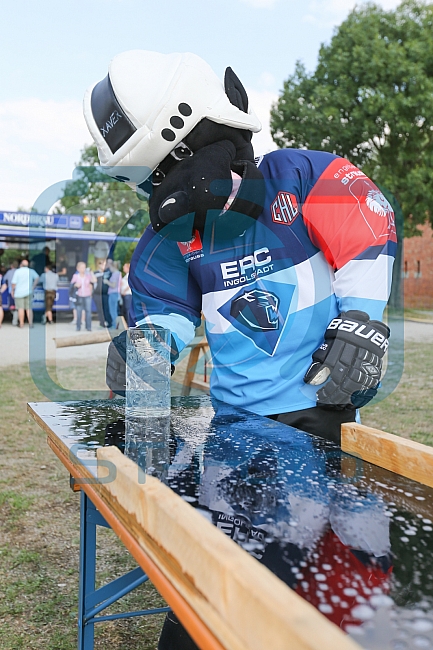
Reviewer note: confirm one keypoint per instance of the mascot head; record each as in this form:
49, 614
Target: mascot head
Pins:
166, 125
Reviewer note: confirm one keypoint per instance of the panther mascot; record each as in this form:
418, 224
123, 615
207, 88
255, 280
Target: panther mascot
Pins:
288, 256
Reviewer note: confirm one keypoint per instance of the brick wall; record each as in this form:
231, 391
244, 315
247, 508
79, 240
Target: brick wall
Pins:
418, 270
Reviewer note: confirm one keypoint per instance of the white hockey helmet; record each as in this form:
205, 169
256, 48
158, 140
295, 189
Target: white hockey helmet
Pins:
148, 103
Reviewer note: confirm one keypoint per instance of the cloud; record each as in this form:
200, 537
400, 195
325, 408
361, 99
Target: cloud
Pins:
267, 80
261, 101
260, 4
333, 12
40, 143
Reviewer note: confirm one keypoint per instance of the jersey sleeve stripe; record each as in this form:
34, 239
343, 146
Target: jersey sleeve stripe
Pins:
373, 252
365, 279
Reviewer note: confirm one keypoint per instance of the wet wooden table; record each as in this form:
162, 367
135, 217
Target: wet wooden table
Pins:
316, 541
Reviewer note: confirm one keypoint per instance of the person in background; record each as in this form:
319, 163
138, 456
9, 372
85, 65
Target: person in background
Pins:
61, 267
7, 278
23, 283
100, 294
49, 281
1, 306
40, 260
6, 284
84, 280
125, 292
105, 287
113, 291
73, 304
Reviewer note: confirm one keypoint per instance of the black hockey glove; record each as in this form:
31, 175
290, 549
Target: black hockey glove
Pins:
115, 375
351, 358
116, 364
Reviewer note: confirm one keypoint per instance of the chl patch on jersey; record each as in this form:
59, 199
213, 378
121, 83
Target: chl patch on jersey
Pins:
260, 313
284, 208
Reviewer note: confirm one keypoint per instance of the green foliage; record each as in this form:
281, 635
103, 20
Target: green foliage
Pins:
371, 100
12, 254
91, 189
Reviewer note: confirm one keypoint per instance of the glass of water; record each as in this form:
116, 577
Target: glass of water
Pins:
147, 444
148, 372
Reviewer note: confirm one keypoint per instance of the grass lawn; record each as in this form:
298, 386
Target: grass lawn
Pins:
408, 411
39, 538
419, 315
39, 542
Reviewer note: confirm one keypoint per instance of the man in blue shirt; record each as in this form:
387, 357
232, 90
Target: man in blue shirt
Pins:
23, 283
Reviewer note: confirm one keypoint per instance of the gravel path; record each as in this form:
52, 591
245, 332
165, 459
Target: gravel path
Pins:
418, 332
15, 344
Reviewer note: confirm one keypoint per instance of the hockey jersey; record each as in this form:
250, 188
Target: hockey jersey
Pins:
324, 243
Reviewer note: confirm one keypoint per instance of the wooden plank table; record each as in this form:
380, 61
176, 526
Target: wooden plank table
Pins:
315, 523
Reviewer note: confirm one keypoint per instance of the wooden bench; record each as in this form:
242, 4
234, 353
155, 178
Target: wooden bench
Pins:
198, 347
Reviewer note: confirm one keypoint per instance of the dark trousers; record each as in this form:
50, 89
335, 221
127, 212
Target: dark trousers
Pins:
106, 309
98, 302
322, 422
174, 636
126, 306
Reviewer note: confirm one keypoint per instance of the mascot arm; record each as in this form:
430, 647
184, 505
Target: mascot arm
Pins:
164, 294
163, 286
352, 223
349, 219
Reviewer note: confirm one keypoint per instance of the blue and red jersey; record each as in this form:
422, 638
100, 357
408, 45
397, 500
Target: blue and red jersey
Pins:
324, 243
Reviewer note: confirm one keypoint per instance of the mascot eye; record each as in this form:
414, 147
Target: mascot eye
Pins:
157, 177
181, 151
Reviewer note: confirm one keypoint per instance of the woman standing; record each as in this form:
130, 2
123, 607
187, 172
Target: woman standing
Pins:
125, 292
83, 280
1, 299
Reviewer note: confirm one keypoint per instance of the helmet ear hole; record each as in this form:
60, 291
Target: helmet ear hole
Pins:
235, 90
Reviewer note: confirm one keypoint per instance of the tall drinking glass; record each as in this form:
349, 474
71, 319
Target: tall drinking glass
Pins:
148, 372
147, 413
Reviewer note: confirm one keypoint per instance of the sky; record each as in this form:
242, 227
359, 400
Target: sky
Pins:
52, 51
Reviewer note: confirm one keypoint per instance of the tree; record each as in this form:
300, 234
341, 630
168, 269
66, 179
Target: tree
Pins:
371, 100
91, 189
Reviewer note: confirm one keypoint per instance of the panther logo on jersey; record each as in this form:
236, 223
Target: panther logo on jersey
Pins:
257, 309
259, 313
